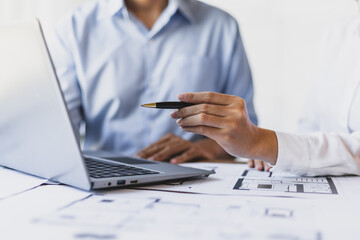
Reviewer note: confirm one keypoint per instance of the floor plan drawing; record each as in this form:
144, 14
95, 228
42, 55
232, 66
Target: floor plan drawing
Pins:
238, 179
252, 180
116, 217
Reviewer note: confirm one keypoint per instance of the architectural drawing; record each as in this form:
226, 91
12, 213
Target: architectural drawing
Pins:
252, 180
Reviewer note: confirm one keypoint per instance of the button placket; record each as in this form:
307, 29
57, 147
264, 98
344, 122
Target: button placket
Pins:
150, 93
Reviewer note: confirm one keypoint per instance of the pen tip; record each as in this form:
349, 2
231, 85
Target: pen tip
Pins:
149, 105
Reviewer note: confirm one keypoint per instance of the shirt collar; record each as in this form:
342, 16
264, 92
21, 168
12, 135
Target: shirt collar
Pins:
115, 6
181, 7
109, 8
112, 7
185, 8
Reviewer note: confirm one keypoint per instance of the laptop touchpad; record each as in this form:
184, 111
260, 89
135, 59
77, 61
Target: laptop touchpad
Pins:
129, 160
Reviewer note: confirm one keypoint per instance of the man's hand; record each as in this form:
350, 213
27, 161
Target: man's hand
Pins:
225, 119
259, 165
178, 150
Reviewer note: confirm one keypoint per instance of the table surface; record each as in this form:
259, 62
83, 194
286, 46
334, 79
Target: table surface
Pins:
44, 212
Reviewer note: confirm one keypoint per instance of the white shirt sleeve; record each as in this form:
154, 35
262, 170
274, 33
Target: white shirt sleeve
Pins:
319, 153
330, 143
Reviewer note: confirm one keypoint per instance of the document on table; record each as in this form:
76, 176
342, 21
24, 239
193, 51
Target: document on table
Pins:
18, 211
349, 186
13, 182
237, 179
180, 216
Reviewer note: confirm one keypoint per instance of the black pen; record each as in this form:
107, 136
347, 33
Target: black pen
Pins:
168, 105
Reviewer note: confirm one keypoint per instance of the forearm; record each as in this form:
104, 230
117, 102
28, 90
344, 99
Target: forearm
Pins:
319, 153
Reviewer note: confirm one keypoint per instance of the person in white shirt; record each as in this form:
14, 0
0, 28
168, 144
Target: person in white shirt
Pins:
331, 145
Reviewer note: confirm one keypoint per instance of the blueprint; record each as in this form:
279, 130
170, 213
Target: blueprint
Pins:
230, 209
237, 179
253, 180
174, 217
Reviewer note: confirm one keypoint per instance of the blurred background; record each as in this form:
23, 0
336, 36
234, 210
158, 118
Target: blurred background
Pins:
280, 36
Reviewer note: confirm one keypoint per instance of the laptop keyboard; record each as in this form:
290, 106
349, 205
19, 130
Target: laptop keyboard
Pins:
99, 169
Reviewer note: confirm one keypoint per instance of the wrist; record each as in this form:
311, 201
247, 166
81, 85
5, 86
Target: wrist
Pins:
265, 146
213, 149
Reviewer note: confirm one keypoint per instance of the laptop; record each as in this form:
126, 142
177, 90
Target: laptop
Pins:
36, 133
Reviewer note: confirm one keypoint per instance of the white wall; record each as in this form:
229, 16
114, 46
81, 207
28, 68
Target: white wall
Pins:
48, 11
281, 37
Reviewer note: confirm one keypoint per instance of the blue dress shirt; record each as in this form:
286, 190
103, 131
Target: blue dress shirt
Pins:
109, 63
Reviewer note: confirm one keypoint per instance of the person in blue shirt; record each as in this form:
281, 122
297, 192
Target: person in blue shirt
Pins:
111, 56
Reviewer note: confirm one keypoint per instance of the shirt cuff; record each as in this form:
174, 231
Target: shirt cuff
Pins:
293, 154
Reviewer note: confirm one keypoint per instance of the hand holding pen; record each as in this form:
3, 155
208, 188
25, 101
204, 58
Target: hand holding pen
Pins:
225, 119
178, 150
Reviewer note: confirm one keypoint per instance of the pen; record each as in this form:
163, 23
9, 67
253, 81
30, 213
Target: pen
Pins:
168, 105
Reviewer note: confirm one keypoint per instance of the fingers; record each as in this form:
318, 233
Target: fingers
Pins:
251, 163
149, 151
164, 148
185, 157
259, 165
267, 167
207, 97
202, 119
209, 132
262, 166
200, 108
167, 152
155, 147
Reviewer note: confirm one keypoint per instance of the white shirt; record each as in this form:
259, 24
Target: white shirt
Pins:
332, 114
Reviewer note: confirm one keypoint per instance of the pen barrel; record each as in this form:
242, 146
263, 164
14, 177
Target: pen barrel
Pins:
173, 105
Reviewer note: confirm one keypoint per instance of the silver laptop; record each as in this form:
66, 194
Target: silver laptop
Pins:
36, 133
